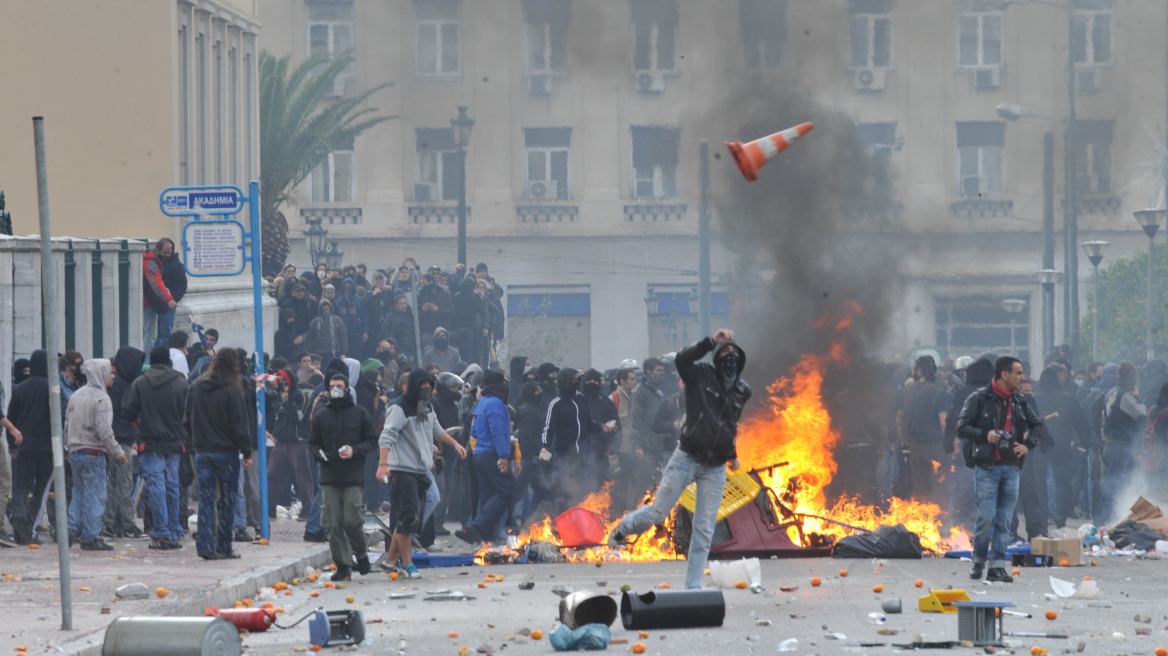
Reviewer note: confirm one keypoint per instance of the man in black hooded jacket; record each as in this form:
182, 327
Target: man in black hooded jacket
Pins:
32, 462
714, 397
118, 520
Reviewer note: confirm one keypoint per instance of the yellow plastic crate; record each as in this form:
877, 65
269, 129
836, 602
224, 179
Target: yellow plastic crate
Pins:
741, 488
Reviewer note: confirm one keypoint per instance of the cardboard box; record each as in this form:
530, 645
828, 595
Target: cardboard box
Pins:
1068, 549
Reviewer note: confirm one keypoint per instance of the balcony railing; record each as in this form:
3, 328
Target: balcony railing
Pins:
430, 213
649, 212
547, 213
332, 215
980, 208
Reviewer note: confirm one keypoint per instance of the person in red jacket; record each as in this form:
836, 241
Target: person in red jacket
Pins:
164, 286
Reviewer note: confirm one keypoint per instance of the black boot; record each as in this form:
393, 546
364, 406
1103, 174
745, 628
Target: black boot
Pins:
999, 574
976, 571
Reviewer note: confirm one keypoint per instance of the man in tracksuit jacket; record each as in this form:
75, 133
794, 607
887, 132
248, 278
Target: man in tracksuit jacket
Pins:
714, 397
407, 442
491, 429
89, 434
998, 428
566, 437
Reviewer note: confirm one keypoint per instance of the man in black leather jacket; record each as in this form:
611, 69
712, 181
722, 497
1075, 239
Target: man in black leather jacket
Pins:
714, 397
998, 429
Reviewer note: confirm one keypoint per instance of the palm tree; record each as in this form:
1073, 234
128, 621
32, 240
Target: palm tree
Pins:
300, 124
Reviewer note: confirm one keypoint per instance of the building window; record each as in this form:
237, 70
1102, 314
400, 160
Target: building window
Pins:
330, 29
979, 39
880, 139
333, 180
184, 110
870, 22
201, 104
546, 27
438, 38
979, 324
437, 173
654, 31
979, 158
1092, 38
547, 163
763, 24
655, 162
220, 108
1092, 156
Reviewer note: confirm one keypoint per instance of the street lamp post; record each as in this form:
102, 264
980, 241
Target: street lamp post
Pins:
1014, 306
334, 256
1094, 250
1048, 278
1150, 221
675, 322
462, 125
314, 237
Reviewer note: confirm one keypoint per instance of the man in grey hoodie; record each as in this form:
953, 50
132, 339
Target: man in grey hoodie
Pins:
90, 437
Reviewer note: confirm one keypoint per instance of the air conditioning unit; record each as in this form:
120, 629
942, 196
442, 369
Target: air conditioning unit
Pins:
543, 190
540, 85
425, 192
987, 78
650, 81
1089, 81
871, 78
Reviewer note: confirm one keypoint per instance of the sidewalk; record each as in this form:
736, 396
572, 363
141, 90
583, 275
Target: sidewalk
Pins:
31, 597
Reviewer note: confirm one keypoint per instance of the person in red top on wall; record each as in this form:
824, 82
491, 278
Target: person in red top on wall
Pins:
164, 286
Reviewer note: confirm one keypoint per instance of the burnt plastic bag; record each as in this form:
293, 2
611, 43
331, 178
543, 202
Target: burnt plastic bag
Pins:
1134, 534
885, 542
590, 637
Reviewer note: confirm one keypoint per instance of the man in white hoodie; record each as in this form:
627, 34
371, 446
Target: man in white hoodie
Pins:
89, 434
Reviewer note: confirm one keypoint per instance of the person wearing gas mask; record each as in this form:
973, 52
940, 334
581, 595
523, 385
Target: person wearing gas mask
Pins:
715, 395
997, 428
342, 435
408, 441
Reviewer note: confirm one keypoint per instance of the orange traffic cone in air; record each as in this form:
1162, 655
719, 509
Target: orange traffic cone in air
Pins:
753, 156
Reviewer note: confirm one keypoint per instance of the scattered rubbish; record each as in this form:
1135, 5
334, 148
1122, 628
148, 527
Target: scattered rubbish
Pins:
764, 623
1016, 613
1119, 635
132, 591
891, 605
402, 595
921, 644
1067, 590
1059, 549
247, 619
788, 588
1035, 634
578, 527
105, 610
835, 636
1143, 632
980, 622
1031, 560
660, 609
887, 631
563, 590
885, 542
336, 627
590, 637
1098, 604
586, 607
138, 636
727, 573
941, 601
877, 618
439, 591
453, 596
753, 155
790, 644
527, 585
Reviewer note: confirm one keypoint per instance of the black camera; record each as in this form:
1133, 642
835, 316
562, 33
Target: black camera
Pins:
1006, 445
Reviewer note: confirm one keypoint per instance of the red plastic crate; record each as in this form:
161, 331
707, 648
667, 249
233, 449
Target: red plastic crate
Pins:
580, 528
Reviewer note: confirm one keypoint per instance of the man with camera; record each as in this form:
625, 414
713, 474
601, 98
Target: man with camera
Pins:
998, 429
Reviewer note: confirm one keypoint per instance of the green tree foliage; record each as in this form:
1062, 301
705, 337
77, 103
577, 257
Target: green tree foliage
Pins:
1123, 307
301, 122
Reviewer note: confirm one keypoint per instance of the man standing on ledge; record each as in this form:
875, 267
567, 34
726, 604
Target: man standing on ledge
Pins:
714, 397
998, 428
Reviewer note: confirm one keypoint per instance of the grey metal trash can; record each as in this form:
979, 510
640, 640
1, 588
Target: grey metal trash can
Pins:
174, 636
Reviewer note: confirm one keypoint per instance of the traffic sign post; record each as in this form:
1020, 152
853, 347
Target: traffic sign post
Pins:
219, 247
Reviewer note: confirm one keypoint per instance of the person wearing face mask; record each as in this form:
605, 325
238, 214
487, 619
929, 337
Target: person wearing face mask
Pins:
649, 452
605, 413
342, 435
440, 352
327, 334
531, 488
408, 441
714, 397
567, 442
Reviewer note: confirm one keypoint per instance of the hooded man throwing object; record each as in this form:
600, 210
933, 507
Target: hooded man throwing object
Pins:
714, 397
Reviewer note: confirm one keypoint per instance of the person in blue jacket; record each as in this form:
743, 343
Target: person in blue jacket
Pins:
491, 429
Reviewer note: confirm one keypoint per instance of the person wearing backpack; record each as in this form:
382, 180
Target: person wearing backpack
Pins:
1124, 419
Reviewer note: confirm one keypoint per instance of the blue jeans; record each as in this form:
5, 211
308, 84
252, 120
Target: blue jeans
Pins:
680, 471
1119, 464
218, 478
156, 327
496, 491
88, 503
160, 480
312, 525
997, 495
239, 517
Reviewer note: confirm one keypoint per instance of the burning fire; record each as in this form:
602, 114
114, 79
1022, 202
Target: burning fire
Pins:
791, 439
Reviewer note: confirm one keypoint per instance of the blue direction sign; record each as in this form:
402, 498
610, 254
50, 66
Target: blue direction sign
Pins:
193, 201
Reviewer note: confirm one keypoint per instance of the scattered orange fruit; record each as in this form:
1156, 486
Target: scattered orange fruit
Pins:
879, 587
331, 568
238, 604
330, 584
161, 592
464, 651
280, 585
1016, 571
1086, 578
498, 578
287, 593
1160, 651
314, 593
295, 581
312, 577
1093, 563
1064, 563
349, 599
843, 572
664, 585
741, 585
482, 585
248, 602
34, 546
639, 648
263, 541
269, 605
815, 582
452, 634
1036, 651
279, 609
21, 648
393, 576
919, 583
1051, 615
536, 634
642, 634
316, 648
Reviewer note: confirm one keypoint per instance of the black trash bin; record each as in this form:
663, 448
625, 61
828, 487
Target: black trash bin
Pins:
672, 609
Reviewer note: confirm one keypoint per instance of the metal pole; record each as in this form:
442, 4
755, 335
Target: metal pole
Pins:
1048, 238
1151, 349
704, 309
1072, 217
1048, 317
257, 284
415, 281
462, 205
52, 341
1095, 316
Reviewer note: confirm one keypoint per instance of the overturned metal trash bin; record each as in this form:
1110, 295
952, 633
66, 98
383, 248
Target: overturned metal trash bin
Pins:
175, 636
672, 609
584, 607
